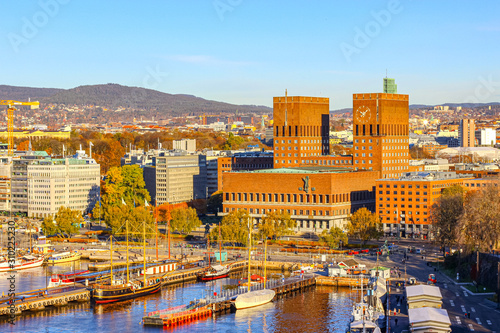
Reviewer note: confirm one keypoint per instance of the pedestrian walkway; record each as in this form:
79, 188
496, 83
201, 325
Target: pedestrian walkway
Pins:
397, 314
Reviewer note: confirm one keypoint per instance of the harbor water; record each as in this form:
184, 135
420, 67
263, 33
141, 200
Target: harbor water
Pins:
319, 309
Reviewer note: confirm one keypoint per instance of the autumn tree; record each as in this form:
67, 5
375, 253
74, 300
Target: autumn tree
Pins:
234, 227
48, 226
446, 212
232, 142
274, 225
24, 145
479, 224
184, 220
68, 220
333, 237
364, 225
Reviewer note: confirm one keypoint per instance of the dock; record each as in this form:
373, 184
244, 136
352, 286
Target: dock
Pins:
220, 304
336, 281
39, 299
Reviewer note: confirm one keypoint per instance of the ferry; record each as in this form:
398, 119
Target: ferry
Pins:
57, 280
58, 258
24, 262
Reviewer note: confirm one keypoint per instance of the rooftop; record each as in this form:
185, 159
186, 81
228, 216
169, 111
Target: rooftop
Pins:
422, 289
426, 314
311, 169
429, 176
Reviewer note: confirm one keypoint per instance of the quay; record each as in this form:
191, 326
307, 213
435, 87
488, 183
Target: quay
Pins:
39, 299
337, 281
222, 303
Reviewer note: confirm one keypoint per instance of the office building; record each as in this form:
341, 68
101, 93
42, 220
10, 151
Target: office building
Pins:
467, 132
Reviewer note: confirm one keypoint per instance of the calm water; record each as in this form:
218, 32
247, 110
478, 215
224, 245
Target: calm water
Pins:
321, 309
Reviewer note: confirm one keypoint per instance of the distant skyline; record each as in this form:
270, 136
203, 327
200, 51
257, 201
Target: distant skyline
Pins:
246, 52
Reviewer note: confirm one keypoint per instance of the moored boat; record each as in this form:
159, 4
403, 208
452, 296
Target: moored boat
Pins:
214, 272
24, 262
110, 293
64, 257
254, 298
65, 278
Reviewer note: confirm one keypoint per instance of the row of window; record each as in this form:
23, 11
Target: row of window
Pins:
299, 198
295, 212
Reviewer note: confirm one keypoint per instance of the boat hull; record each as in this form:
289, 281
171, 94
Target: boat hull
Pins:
213, 277
4, 267
105, 295
62, 260
254, 298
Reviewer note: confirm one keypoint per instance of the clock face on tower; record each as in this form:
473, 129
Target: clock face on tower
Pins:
362, 114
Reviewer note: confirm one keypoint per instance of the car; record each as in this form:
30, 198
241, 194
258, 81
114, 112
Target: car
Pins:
412, 280
431, 279
418, 251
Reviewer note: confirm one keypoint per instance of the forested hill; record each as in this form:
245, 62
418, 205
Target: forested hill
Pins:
114, 96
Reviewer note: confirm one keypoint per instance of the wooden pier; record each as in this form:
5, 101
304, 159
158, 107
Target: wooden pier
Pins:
348, 282
223, 303
36, 300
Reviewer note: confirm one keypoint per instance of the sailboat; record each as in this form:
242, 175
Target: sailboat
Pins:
119, 290
214, 272
256, 297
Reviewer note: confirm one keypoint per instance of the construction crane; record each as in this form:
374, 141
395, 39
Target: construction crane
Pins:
10, 117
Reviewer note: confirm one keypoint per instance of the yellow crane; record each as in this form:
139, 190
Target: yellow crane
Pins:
10, 116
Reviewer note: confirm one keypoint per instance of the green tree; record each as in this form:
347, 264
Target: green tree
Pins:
445, 214
234, 227
364, 225
48, 226
274, 225
214, 203
232, 142
68, 220
184, 220
333, 237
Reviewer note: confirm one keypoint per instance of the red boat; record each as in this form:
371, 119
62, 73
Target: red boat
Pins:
66, 278
255, 278
214, 272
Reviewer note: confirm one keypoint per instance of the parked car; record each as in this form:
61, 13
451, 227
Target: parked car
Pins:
432, 279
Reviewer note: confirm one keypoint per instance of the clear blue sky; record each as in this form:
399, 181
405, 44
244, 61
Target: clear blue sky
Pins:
247, 51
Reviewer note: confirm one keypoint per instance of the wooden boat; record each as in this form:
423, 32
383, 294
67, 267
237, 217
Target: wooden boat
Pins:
117, 292
58, 258
214, 272
179, 314
65, 278
24, 262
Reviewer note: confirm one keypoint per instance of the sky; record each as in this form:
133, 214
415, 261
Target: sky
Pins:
248, 51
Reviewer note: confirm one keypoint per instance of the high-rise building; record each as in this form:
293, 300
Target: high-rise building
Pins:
486, 136
380, 133
390, 86
301, 129
467, 132
188, 145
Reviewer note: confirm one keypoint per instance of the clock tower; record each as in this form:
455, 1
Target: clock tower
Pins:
381, 133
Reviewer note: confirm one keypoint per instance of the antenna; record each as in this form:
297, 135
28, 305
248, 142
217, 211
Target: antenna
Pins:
386, 73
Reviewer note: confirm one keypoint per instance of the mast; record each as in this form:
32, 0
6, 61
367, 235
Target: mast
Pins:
249, 252
156, 224
144, 249
208, 249
220, 247
111, 256
265, 261
126, 236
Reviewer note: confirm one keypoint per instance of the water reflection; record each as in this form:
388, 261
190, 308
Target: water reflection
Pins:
320, 309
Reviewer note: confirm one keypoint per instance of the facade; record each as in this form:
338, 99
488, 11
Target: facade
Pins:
41, 185
318, 198
176, 177
301, 129
390, 86
486, 136
381, 129
467, 132
5, 178
185, 144
404, 203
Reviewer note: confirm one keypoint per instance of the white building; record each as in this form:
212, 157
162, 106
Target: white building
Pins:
41, 184
188, 145
486, 136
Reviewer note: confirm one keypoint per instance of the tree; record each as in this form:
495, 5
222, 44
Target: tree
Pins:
184, 220
479, 224
234, 227
333, 237
68, 220
24, 145
364, 225
48, 226
445, 213
274, 225
214, 203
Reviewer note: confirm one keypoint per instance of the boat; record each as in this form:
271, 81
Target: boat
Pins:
117, 290
64, 257
24, 262
254, 279
63, 279
195, 310
214, 272
365, 319
253, 298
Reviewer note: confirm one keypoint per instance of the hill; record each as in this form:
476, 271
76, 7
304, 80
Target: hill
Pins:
24, 93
